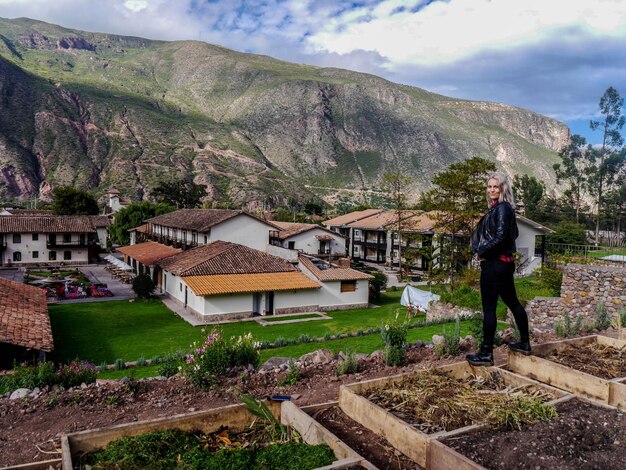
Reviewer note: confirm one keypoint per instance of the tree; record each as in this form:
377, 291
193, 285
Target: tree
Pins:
459, 197
313, 208
529, 191
182, 193
611, 123
568, 233
576, 167
133, 216
395, 184
143, 286
70, 201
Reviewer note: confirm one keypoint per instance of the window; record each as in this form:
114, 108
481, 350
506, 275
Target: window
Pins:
180, 286
17, 238
357, 233
35, 237
17, 256
52, 256
348, 286
35, 254
67, 237
357, 249
206, 239
67, 255
291, 245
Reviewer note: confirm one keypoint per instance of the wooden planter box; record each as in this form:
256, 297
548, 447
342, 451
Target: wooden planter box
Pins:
235, 417
611, 392
412, 442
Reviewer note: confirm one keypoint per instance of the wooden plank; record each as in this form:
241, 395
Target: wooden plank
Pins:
617, 393
613, 342
548, 348
43, 465
443, 457
342, 464
401, 435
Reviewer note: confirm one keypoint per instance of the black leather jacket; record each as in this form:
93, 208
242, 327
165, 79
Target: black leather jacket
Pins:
496, 232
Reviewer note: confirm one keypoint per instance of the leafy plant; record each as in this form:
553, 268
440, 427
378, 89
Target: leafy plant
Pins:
451, 341
143, 286
169, 365
566, 327
349, 365
602, 319
266, 419
76, 373
552, 279
119, 364
293, 374
394, 355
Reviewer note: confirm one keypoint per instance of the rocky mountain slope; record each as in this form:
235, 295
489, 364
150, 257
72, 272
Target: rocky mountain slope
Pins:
99, 111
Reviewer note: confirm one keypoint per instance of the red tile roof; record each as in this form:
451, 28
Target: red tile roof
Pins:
332, 272
222, 257
351, 217
24, 319
289, 229
200, 220
148, 253
245, 283
47, 224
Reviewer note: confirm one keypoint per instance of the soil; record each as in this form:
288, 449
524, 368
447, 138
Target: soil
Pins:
608, 362
583, 436
367, 444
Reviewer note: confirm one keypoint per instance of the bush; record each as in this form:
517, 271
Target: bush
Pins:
602, 318
566, 328
119, 364
76, 373
476, 329
168, 365
143, 286
25, 376
451, 341
244, 351
394, 333
377, 284
293, 374
552, 279
349, 365
394, 355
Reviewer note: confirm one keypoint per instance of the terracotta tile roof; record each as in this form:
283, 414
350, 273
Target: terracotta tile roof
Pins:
351, 217
244, 283
200, 220
424, 222
148, 253
46, 224
29, 212
100, 221
335, 273
289, 229
222, 257
381, 221
141, 229
24, 319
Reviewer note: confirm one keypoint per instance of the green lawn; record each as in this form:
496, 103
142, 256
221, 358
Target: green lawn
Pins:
105, 331
607, 252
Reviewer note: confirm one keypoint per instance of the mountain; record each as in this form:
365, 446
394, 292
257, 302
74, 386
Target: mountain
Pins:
99, 111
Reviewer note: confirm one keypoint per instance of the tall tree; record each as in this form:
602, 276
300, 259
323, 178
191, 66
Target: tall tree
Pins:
529, 191
577, 167
182, 193
395, 183
133, 216
459, 197
611, 124
67, 200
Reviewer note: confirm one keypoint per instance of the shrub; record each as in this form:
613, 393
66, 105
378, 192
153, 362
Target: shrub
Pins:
349, 365
394, 355
293, 374
566, 328
244, 351
168, 365
451, 341
143, 286
77, 372
377, 284
141, 361
119, 364
476, 329
552, 279
393, 333
304, 338
602, 319
25, 376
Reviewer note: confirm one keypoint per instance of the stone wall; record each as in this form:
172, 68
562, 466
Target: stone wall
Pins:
583, 288
442, 311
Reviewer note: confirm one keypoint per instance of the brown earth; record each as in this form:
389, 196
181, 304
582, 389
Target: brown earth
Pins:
583, 436
31, 428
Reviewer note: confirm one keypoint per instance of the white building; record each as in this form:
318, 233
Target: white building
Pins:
49, 240
115, 202
194, 227
310, 239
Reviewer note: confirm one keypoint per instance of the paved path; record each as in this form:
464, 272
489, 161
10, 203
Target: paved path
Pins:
12, 274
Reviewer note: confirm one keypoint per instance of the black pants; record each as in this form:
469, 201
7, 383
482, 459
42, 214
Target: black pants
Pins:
496, 280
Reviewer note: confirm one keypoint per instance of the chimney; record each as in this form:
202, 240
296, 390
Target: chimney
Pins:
343, 262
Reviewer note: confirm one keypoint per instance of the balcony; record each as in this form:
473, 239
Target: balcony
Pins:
70, 244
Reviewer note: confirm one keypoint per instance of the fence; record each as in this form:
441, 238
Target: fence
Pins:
586, 251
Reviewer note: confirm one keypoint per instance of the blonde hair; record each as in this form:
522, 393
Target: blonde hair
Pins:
506, 192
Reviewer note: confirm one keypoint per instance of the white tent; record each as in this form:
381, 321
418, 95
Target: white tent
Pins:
118, 263
418, 297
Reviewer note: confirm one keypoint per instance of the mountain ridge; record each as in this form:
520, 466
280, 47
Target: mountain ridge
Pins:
98, 110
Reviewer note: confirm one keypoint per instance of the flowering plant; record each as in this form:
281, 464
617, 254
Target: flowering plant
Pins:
413, 311
76, 373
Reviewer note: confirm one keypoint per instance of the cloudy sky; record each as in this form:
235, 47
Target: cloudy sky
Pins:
555, 57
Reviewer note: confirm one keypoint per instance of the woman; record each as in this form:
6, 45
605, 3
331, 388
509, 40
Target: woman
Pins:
494, 246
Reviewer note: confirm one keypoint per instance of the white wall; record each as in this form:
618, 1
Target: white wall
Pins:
230, 303
287, 255
307, 242
330, 294
27, 246
526, 238
244, 230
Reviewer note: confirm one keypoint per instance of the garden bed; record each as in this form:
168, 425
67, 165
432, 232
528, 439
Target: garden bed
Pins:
220, 424
591, 366
582, 436
411, 410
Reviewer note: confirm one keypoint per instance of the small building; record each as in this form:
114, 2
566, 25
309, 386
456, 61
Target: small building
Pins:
223, 280
25, 331
341, 224
144, 257
310, 239
50, 240
115, 202
342, 287
187, 228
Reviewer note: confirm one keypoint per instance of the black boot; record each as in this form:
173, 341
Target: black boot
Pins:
481, 358
521, 347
